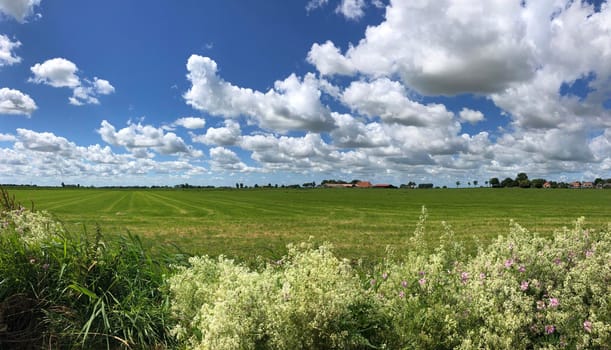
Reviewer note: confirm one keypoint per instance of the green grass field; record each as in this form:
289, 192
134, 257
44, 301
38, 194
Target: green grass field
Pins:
360, 223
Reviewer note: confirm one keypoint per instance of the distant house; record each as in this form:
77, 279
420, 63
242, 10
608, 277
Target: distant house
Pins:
575, 184
587, 185
547, 184
363, 184
383, 186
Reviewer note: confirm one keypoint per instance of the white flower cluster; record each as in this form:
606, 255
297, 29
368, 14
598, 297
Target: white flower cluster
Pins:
33, 227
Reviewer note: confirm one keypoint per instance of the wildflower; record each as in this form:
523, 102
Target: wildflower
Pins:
589, 253
587, 326
404, 284
384, 276
32, 261
401, 294
482, 275
524, 285
557, 261
549, 329
372, 282
540, 305
421, 273
45, 266
553, 302
522, 268
422, 281
508, 263
464, 277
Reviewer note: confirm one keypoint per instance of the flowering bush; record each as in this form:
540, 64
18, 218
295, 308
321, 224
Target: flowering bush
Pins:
307, 300
522, 291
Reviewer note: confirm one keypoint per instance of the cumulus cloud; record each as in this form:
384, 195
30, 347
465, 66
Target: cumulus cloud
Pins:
224, 136
56, 72
16, 102
60, 72
44, 156
486, 51
293, 103
471, 116
190, 122
351, 9
7, 57
18, 9
223, 159
7, 138
389, 100
138, 139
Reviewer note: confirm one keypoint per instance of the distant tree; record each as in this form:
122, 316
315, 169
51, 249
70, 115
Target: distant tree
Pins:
599, 181
237, 185
475, 183
521, 177
457, 183
486, 183
537, 183
469, 183
63, 184
256, 185
494, 182
241, 185
508, 182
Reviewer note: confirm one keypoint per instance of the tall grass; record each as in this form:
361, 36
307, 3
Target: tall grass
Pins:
61, 289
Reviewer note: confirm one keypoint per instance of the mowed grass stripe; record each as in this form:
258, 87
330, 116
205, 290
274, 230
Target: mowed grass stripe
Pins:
361, 223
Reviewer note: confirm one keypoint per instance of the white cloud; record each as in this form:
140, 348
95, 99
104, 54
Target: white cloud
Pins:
7, 57
293, 103
441, 47
7, 138
190, 122
102, 86
388, 100
471, 116
16, 102
56, 72
223, 159
18, 9
138, 138
314, 4
351, 9
225, 136
60, 72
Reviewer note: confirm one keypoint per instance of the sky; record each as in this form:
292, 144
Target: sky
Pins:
165, 92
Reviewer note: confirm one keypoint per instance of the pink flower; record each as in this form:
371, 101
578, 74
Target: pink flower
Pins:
372, 282
549, 329
557, 261
464, 277
508, 263
384, 276
589, 253
524, 285
422, 281
553, 302
404, 284
522, 268
401, 294
482, 275
587, 326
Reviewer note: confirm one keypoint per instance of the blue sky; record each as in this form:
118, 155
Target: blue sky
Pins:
283, 92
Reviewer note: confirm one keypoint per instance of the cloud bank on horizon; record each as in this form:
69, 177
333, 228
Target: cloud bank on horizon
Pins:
434, 91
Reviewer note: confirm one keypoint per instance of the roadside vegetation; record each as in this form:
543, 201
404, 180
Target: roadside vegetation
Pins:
62, 288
